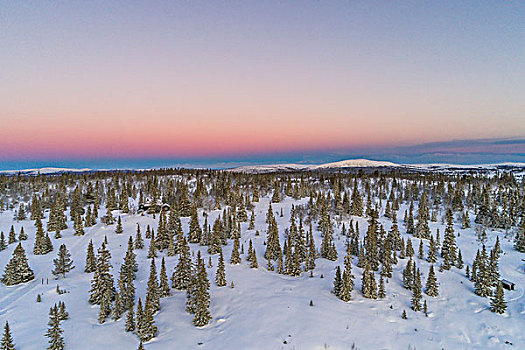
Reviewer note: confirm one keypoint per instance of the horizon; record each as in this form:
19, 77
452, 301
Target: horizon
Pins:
199, 82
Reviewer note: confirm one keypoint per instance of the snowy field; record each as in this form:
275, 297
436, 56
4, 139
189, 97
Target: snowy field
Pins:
266, 310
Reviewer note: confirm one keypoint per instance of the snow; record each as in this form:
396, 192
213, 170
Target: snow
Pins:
44, 171
355, 163
266, 310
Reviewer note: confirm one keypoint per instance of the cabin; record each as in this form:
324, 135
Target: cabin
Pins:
157, 207
508, 285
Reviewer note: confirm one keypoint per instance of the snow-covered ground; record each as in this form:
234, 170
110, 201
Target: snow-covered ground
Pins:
266, 310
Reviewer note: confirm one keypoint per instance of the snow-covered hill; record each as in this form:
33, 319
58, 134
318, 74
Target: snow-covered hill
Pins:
354, 163
44, 171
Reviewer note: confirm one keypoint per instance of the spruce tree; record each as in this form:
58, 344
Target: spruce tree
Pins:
102, 281
12, 235
235, 256
91, 261
164, 287
3, 244
139, 243
416, 292
22, 236
54, 332
7, 342
220, 276
130, 320
338, 282
431, 287
17, 270
118, 228
497, 302
381, 293
152, 303
43, 243
63, 263
202, 296
181, 278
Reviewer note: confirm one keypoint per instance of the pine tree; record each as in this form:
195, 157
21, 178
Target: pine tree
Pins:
432, 251
91, 261
118, 228
117, 307
62, 312
63, 262
130, 320
181, 278
408, 275
338, 282
194, 235
7, 342
253, 260
78, 225
164, 287
105, 306
416, 292
12, 235
381, 292
497, 303
3, 244
220, 276
139, 243
483, 281
431, 287
54, 332
235, 256
43, 243
102, 281
17, 270
202, 296
448, 251
22, 236
153, 294
152, 252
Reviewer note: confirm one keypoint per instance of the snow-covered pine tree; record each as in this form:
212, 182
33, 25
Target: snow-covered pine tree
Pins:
381, 293
63, 263
194, 235
102, 282
220, 276
3, 244
152, 251
12, 236
118, 228
17, 270
164, 287
181, 278
202, 296
235, 256
338, 282
91, 261
54, 332
130, 320
152, 294
139, 242
416, 292
22, 236
497, 302
7, 342
431, 286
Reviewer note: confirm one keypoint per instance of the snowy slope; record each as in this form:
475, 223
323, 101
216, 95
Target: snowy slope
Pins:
354, 163
266, 310
44, 171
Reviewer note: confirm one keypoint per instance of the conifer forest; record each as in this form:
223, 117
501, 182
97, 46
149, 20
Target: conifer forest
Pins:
364, 258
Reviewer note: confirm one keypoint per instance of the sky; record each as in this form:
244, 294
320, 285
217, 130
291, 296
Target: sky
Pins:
121, 84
